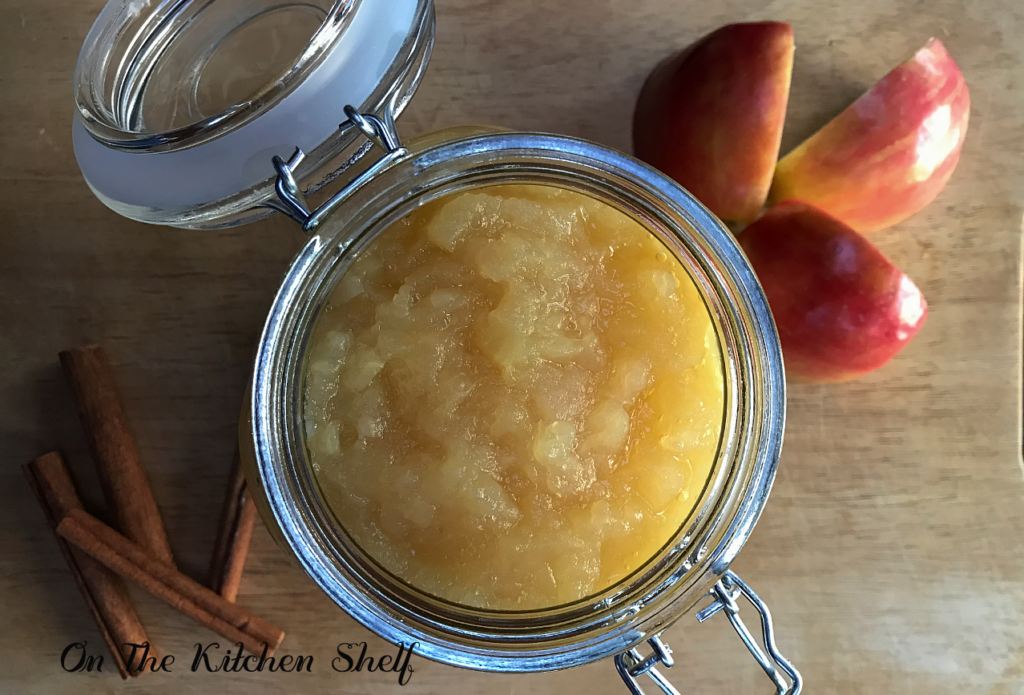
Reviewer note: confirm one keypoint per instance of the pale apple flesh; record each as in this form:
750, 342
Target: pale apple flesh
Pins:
888, 154
841, 308
711, 116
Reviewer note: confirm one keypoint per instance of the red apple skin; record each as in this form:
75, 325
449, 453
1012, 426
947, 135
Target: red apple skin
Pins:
841, 308
888, 154
711, 116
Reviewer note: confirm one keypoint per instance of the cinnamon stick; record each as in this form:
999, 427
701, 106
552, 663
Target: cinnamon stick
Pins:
166, 583
121, 474
102, 590
238, 517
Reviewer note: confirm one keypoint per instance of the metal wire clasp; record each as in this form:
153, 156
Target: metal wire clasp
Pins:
631, 665
379, 131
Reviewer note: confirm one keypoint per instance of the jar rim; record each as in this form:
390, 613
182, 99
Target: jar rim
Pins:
106, 113
618, 618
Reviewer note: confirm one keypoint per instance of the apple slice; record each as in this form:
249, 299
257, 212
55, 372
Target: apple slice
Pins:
888, 154
841, 308
711, 116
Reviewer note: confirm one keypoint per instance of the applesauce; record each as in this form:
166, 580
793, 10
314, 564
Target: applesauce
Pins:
513, 397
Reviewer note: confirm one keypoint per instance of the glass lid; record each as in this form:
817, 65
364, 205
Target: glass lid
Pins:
181, 104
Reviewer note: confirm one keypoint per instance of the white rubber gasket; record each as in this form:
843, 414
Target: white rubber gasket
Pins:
241, 159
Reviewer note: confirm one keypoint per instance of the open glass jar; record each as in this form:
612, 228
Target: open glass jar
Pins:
376, 191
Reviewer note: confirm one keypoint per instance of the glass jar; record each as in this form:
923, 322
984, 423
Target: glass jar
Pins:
686, 569
693, 565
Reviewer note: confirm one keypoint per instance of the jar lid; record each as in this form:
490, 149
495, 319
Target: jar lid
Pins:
182, 106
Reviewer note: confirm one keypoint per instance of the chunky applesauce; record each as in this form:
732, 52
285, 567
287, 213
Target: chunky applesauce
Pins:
514, 397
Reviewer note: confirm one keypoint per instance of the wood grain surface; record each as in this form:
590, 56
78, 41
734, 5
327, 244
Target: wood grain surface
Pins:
892, 549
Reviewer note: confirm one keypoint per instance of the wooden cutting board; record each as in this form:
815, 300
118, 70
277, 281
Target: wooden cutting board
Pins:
891, 551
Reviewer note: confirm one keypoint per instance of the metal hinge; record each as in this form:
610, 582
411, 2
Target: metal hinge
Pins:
380, 131
631, 665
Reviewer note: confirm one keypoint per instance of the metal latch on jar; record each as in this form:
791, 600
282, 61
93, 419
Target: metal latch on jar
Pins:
631, 665
380, 131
